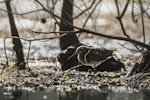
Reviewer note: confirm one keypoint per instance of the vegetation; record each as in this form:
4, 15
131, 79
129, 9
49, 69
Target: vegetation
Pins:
128, 21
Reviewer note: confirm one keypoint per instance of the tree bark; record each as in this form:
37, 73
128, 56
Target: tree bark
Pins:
16, 42
67, 13
143, 66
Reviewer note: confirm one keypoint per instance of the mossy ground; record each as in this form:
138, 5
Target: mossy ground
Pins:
47, 76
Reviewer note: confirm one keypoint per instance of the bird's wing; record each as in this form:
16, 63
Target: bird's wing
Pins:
96, 55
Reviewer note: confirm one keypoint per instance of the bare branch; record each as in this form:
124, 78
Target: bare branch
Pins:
50, 12
117, 6
21, 13
142, 19
117, 38
5, 52
62, 32
85, 10
91, 13
125, 8
28, 52
95, 33
120, 17
5, 1
132, 12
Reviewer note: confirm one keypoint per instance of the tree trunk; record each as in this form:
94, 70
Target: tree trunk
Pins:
68, 59
67, 13
16, 42
143, 66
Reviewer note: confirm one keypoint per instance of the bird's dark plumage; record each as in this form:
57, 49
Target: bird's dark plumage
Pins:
92, 56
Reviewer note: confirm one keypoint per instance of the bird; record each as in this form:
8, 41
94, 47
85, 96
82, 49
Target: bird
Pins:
91, 56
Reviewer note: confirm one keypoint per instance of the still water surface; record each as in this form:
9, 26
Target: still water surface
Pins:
83, 94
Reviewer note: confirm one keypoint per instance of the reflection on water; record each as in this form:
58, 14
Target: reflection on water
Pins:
84, 94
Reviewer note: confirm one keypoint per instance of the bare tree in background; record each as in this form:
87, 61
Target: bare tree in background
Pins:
16, 42
66, 14
66, 22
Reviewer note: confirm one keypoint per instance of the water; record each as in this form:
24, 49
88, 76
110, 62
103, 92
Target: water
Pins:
83, 94
45, 49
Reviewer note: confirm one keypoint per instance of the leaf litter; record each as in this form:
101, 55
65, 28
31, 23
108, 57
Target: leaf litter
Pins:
44, 72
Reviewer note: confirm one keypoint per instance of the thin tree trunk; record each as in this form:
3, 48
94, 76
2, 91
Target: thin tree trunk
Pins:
69, 58
16, 42
67, 13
